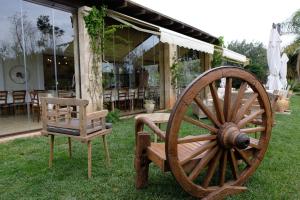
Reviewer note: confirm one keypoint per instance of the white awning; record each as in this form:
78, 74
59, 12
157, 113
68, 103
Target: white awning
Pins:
234, 56
172, 37
166, 35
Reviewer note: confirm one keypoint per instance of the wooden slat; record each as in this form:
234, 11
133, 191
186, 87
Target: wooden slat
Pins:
254, 143
217, 102
253, 130
238, 100
198, 151
211, 169
203, 163
223, 166
234, 165
196, 138
249, 118
200, 124
227, 99
244, 156
207, 112
242, 111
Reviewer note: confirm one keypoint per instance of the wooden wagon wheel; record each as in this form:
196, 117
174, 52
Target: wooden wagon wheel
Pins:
229, 152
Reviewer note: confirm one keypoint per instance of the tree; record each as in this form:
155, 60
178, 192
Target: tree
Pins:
257, 54
47, 29
292, 26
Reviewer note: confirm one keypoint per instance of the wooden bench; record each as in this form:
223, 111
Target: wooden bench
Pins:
67, 117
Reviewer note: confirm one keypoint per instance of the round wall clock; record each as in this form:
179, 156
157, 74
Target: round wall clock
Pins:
17, 74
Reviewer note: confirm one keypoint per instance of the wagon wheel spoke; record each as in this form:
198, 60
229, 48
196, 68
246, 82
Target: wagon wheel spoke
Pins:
238, 100
206, 111
227, 99
217, 102
223, 165
197, 138
203, 163
198, 151
245, 107
211, 169
250, 118
234, 164
200, 124
253, 130
244, 156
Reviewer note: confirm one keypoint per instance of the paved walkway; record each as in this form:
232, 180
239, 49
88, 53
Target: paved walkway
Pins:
24, 135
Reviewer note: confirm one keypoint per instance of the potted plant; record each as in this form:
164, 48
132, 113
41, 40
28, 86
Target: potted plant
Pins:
149, 105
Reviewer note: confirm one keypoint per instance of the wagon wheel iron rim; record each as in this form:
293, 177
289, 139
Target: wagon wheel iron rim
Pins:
228, 137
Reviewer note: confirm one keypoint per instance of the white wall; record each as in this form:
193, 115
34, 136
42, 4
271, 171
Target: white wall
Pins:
34, 64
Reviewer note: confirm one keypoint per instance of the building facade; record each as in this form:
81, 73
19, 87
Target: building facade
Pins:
44, 50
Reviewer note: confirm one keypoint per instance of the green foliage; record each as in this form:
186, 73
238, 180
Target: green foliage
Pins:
257, 54
259, 71
175, 73
217, 56
25, 174
113, 116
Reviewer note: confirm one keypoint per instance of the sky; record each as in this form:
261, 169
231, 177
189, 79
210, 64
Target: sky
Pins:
234, 19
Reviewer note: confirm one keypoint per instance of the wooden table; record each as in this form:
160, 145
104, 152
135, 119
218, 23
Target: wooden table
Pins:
157, 118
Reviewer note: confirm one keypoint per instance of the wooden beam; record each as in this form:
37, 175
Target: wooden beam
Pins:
188, 30
121, 6
178, 27
154, 17
166, 23
140, 12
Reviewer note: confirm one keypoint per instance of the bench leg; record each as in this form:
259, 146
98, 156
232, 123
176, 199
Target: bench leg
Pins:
106, 150
51, 150
89, 159
70, 147
141, 161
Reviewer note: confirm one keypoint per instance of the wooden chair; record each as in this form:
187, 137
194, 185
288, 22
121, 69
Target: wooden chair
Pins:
141, 97
35, 105
107, 100
74, 124
122, 99
3, 102
131, 98
219, 154
19, 100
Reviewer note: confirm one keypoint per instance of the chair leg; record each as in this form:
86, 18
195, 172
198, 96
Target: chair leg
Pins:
141, 161
89, 159
70, 147
106, 150
51, 150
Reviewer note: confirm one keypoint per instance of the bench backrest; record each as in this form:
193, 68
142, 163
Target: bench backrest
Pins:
64, 113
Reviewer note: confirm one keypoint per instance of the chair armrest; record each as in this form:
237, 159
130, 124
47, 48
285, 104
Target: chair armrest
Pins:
144, 120
97, 115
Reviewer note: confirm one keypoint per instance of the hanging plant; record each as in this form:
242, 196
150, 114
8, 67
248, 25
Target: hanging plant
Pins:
98, 33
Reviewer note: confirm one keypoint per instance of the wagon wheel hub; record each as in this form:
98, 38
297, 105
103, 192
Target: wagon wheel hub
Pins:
229, 136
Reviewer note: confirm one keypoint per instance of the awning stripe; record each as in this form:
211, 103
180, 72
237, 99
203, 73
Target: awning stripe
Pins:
233, 55
172, 37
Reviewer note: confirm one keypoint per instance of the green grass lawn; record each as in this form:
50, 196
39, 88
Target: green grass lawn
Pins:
24, 172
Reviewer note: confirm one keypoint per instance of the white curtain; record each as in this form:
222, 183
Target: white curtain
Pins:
274, 61
283, 70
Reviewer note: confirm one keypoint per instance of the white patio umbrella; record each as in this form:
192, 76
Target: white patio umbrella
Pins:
283, 70
274, 60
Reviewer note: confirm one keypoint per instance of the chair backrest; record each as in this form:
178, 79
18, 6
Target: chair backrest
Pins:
131, 94
34, 96
141, 93
3, 97
19, 96
59, 112
107, 95
122, 95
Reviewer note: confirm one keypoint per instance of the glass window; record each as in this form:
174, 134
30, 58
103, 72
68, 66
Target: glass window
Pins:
37, 59
131, 68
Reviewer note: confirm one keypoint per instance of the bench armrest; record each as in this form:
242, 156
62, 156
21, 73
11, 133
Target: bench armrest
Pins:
141, 121
97, 115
